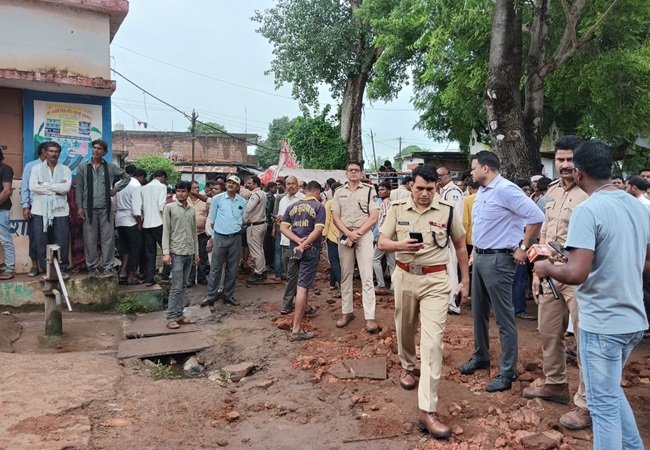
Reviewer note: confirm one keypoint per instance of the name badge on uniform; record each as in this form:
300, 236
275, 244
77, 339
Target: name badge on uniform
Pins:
436, 224
403, 223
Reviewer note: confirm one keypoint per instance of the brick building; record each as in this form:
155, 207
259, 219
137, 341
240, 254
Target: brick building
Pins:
214, 154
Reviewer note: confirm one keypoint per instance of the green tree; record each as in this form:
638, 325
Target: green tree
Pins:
327, 42
151, 163
269, 150
207, 128
582, 63
317, 143
412, 149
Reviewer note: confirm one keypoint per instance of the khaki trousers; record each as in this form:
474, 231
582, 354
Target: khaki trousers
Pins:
553, 320
255, 236
425, 296
363, 253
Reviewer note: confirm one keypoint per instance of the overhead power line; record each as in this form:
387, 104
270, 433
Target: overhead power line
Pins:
204, 74
188, 116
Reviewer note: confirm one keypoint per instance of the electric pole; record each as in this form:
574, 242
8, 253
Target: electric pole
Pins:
194, 117
372, 140
400, 146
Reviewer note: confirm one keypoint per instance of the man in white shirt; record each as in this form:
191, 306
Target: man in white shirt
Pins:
291, 196
154, 196
50, 183
128, 221
451, 193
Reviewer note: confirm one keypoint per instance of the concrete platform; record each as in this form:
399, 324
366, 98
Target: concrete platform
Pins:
154, 324
95, 294
163, 345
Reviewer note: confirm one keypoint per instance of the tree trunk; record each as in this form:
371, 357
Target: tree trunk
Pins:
503, 96
351, 107
533, 119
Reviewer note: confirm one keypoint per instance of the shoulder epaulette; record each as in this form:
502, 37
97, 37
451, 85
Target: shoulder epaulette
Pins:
555, 183
446, 203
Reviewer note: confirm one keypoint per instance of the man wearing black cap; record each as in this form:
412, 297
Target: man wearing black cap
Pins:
98, 181
6, 241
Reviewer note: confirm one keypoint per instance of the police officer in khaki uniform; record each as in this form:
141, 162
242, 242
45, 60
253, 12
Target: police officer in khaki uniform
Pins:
563, 195
255, 221
354, 212
422, 285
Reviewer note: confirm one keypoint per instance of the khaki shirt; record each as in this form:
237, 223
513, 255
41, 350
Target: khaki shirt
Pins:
201, 209
256, 209
353, 205
560, 203
403, 218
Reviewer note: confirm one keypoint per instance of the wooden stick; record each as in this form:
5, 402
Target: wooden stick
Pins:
374, 438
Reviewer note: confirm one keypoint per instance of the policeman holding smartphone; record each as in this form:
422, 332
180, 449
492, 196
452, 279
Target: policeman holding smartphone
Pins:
425, 226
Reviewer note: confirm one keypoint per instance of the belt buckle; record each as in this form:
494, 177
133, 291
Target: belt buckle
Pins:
415, 270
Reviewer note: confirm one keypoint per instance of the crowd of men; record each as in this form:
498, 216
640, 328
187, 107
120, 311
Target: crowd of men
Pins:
425, 235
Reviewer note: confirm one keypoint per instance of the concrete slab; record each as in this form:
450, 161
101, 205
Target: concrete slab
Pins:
162, 345
154, 324
85, 293
340, 371
373, 368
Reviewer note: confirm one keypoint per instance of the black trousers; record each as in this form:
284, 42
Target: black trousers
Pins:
153, 239
199, 274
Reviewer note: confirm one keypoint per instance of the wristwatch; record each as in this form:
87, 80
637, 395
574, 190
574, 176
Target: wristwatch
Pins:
522, 246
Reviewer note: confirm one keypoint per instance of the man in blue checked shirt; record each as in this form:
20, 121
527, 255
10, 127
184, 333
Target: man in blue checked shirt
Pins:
227, 211
26, 201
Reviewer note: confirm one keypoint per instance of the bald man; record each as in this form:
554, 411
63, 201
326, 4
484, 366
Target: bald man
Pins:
292, 195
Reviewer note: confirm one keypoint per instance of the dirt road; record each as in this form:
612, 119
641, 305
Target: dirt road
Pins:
74, 394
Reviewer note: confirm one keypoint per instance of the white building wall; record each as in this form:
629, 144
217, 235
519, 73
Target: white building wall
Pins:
39, 37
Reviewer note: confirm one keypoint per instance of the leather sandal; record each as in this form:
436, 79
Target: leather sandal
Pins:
173, 325
185, 321
344, 320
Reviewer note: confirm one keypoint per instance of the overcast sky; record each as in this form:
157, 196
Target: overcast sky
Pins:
217, 41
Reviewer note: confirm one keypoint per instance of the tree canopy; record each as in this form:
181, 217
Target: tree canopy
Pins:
207, 127
325, 42
151, 163
317, 143
595, 82
269, 150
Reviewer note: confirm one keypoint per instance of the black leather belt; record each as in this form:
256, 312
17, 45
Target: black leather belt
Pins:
228, 235
260, 222
492, 251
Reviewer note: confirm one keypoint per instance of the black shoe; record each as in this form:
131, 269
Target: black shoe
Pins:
191, 285
202, 282
230, 301
207, 302
473, 365
256, 279
500, 383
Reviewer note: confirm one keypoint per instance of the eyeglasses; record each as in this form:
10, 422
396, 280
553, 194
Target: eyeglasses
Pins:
354, 170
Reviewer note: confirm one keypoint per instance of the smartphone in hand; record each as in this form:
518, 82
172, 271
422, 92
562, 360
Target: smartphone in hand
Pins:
417, 236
